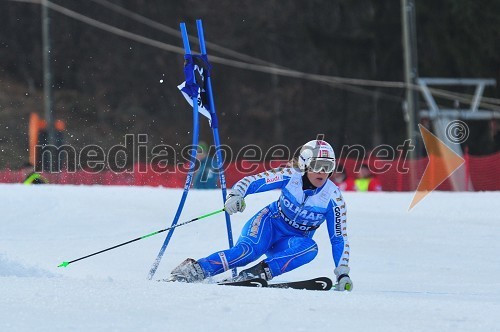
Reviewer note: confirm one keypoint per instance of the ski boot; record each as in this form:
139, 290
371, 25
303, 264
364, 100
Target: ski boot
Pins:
188, 271
260, 270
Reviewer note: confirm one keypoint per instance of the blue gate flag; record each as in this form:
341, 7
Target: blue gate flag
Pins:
196, 69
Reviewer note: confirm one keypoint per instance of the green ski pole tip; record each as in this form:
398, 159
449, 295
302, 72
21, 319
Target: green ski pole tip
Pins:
63, 264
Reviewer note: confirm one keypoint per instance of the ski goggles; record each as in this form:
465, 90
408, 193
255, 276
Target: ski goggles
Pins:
322, 165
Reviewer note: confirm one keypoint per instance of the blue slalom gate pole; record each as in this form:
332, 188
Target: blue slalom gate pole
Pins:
189, 176
215, 132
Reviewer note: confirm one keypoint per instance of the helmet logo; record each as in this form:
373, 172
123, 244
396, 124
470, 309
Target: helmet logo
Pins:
312, 152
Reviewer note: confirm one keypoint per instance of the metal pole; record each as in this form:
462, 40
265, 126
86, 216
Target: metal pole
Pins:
411, 76
47, 74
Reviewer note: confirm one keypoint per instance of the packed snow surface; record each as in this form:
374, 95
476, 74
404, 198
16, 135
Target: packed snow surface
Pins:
435, 268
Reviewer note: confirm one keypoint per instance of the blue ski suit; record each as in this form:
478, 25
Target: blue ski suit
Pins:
283, 230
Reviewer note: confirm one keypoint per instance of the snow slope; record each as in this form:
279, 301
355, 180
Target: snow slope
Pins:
435, 268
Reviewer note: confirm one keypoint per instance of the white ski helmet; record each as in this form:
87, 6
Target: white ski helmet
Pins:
317, 156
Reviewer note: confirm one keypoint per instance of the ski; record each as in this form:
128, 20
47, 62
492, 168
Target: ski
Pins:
256, 282
319, 284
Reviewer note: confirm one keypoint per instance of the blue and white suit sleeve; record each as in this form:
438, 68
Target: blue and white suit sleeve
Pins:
336, 220
265, 181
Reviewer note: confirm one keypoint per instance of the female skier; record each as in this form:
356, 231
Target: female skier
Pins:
284, 229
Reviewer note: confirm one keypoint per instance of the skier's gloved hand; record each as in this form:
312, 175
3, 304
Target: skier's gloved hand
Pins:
234, 202
344, 282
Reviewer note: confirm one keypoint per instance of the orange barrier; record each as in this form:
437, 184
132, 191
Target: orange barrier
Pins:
36, 126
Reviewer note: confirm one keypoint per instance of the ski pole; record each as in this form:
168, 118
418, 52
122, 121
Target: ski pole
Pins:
64, 264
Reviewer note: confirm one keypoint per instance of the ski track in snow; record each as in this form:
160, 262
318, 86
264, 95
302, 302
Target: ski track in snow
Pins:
435, 268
